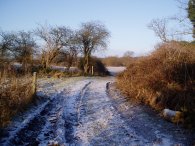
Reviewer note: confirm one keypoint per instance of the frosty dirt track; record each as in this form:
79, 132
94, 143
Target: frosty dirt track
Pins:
89, 111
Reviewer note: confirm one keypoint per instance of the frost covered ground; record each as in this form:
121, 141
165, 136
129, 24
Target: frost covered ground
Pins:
89, 111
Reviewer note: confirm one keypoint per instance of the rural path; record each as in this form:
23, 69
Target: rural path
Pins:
89, 111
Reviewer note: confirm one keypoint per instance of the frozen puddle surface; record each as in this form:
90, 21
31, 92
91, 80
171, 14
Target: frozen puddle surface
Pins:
89, 111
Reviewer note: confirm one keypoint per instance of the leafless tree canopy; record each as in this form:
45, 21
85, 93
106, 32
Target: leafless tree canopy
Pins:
91, 37
18, 46
183, 26
55, 43
159, 26
54, 38
24, 46
6, 45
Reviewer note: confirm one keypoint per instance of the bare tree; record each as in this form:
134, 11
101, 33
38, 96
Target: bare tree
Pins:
6, 45
182, 26
191, 15
6, 53
24, 48
71, 50
159, 26
91, 37
182, 19
54, 38
67, 56
18, 46
68, 53
70, 56
70, 47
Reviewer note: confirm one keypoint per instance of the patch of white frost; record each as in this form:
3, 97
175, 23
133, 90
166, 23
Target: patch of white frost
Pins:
115, 70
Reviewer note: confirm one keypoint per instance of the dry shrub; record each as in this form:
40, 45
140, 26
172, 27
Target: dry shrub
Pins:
163, 79
15, 94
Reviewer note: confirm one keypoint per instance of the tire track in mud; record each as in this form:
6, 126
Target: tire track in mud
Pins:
39, 124
41, 127
50, 123
13, 131
101, 124
72, 117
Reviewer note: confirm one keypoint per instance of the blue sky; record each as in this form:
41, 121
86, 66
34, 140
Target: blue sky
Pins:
126, 20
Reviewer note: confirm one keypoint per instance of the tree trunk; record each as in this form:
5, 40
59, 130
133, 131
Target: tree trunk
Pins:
24, 66
45, 64
86, 64
70, 62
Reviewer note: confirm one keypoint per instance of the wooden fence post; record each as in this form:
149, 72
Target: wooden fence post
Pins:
34, 82
92, 70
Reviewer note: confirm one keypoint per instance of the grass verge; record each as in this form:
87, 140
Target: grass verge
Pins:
15, 94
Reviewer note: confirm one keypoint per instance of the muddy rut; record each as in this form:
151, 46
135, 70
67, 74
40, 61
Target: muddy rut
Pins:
90, 111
